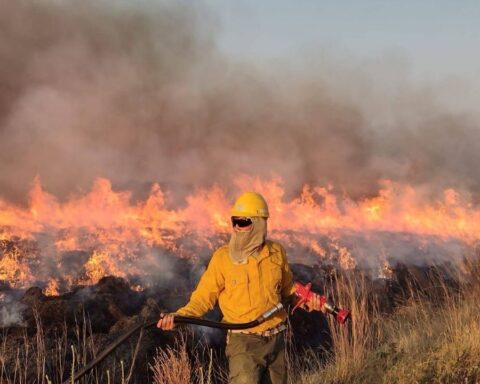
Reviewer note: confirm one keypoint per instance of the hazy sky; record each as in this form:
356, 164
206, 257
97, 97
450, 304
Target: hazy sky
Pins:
142, 91
436, 38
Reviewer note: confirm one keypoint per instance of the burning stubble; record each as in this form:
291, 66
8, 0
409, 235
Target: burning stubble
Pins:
139, 93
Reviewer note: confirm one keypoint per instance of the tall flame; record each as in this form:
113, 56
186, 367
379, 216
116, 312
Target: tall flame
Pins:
106, 232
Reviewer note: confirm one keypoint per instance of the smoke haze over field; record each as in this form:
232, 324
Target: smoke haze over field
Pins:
140, 93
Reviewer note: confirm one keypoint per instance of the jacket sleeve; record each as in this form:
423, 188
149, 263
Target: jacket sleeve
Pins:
206, 294
288, 288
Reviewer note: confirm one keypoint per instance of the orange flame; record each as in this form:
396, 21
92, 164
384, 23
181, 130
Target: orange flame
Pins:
110, 228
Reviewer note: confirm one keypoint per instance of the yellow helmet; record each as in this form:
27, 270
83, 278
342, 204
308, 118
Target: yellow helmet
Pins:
250, 204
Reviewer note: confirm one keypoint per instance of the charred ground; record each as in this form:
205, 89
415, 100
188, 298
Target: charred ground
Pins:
92, 317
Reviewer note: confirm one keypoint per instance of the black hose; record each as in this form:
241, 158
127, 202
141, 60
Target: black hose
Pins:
177, 320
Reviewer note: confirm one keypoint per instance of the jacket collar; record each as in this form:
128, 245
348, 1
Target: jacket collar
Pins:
266, 251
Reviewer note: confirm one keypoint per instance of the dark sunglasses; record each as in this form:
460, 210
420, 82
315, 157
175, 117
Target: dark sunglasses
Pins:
241, 222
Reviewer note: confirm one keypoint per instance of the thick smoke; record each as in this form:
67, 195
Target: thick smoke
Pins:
139, 93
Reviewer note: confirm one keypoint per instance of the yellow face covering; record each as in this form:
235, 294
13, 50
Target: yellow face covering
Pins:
244, 244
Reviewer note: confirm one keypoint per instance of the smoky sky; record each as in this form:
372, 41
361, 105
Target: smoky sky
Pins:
140, 93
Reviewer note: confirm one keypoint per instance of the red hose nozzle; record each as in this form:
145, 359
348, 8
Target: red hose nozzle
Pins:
304, 294
342, 316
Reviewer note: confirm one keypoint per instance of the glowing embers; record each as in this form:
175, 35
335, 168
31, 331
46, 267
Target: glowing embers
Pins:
18, 260
52, 288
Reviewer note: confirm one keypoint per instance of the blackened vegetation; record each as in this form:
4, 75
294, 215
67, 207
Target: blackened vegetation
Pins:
92, 317
89, 318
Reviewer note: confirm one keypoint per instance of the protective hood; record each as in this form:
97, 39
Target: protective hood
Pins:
244, 244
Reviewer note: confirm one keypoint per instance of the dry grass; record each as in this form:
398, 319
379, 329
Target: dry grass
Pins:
431, 338
172, 365
175, 365
39, 359
350, 342
44, 360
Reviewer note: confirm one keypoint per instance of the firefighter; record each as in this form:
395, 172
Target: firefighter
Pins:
247, 277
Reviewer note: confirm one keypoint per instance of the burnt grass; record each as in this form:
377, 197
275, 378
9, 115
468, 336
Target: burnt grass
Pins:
92, 317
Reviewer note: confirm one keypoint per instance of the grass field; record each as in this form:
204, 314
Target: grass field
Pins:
432, 335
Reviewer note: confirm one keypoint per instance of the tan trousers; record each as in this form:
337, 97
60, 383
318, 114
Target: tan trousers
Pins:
254, 359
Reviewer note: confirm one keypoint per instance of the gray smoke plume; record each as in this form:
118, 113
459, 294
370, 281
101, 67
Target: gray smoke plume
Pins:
138, 92
10, 311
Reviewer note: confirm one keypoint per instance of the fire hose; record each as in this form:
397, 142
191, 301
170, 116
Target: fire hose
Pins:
303, 293
177, 320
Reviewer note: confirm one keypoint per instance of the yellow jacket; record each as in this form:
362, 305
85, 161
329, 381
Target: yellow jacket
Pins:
244, 291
